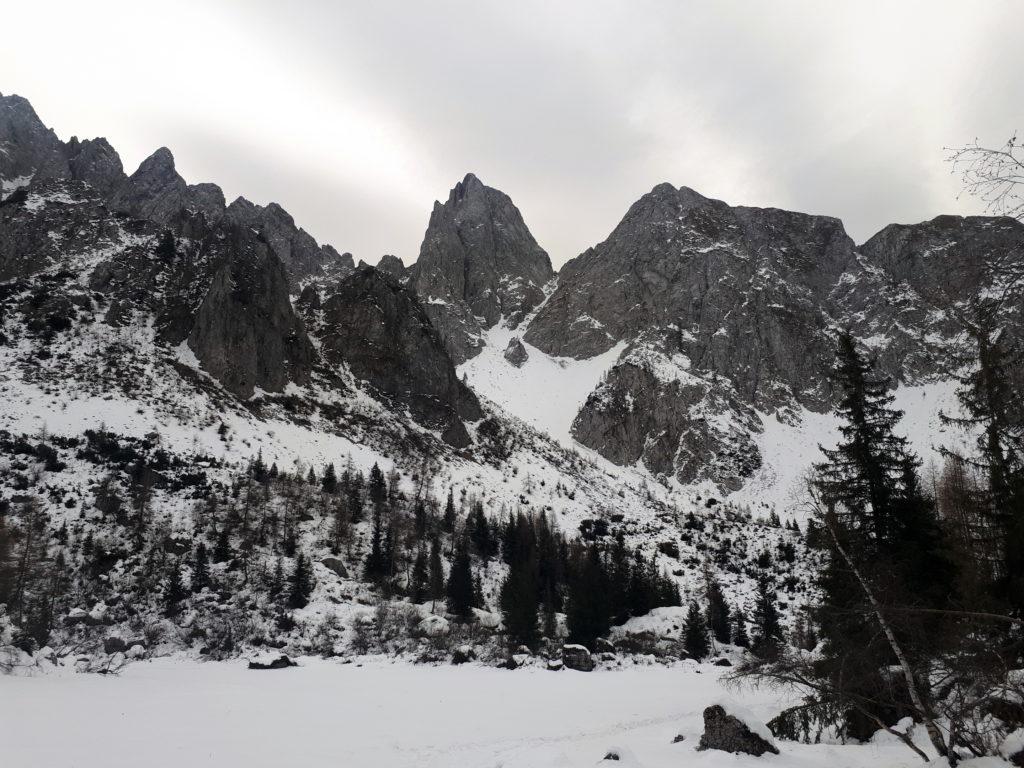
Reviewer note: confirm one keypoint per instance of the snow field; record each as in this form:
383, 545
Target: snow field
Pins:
177, 713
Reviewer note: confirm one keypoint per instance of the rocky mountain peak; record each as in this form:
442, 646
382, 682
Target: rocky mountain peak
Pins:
95, 162
28, 149
478, 263
157, 192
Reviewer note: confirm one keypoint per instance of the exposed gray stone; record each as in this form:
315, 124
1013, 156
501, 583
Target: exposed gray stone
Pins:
245, 332
516, 353
728, 733
577, 657
478, 262
379, 330
334, 564
158, 193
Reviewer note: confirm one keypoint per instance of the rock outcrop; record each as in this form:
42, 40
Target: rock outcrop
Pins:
478, 263
380, 331
651, 408
745, 290
516, 353
245, 332
296, 248
729, 733
28, 149
96, 163
393, 265
724, 310
157, 192
577, 657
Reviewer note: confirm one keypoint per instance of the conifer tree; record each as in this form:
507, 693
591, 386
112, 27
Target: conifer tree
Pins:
768, 629
377, 487
449, 512
436, 567
300, 583
459, 589
329, 482
739, 632
419, 579
588, 611
695, 636
420, 520
718, 612
519, 599
276, 584
200, 569
863, 475
175, 591
376, 567
311, 477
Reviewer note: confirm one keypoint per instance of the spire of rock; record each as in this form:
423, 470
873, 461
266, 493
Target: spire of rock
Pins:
478, 263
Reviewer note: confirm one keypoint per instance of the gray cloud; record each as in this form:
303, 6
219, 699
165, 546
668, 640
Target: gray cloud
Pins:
356, 116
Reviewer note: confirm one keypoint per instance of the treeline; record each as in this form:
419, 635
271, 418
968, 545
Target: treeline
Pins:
921, 592
260, 532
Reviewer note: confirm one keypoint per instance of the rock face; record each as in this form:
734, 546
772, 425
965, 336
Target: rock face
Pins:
729, 733
745, 291
722, 310
245, 332
31, 152
378, 328
96, 163
28, 149
392, 265
912, 281
296, 248
225, 292
516, 353
478, 263
652, 408
158, 193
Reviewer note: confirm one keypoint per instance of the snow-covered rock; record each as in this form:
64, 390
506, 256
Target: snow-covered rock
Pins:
732, 728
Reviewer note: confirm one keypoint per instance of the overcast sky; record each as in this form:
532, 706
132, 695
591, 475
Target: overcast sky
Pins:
356, 116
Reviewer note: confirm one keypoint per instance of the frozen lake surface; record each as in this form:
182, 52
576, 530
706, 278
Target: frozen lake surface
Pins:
185, 714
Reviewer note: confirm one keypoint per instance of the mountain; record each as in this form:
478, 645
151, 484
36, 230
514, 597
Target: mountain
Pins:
477, 265
728, 316
156, 192
179, 371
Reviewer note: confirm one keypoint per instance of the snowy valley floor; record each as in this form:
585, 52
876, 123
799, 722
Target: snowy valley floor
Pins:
171, 713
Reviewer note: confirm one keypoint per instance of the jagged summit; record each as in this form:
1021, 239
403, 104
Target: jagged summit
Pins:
478, 263
31, 153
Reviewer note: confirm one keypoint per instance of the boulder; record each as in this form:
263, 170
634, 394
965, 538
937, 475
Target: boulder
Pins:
335, 565
462, 654
722, 663
136, 652
735, 732
434, 626
577, 657
515, 352
556, 665
271, 661
114, 645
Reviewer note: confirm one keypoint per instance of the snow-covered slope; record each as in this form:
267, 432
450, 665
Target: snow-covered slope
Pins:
546, 392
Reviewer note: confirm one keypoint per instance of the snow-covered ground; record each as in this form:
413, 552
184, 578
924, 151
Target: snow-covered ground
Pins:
788, 451
173, 713
547, 392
